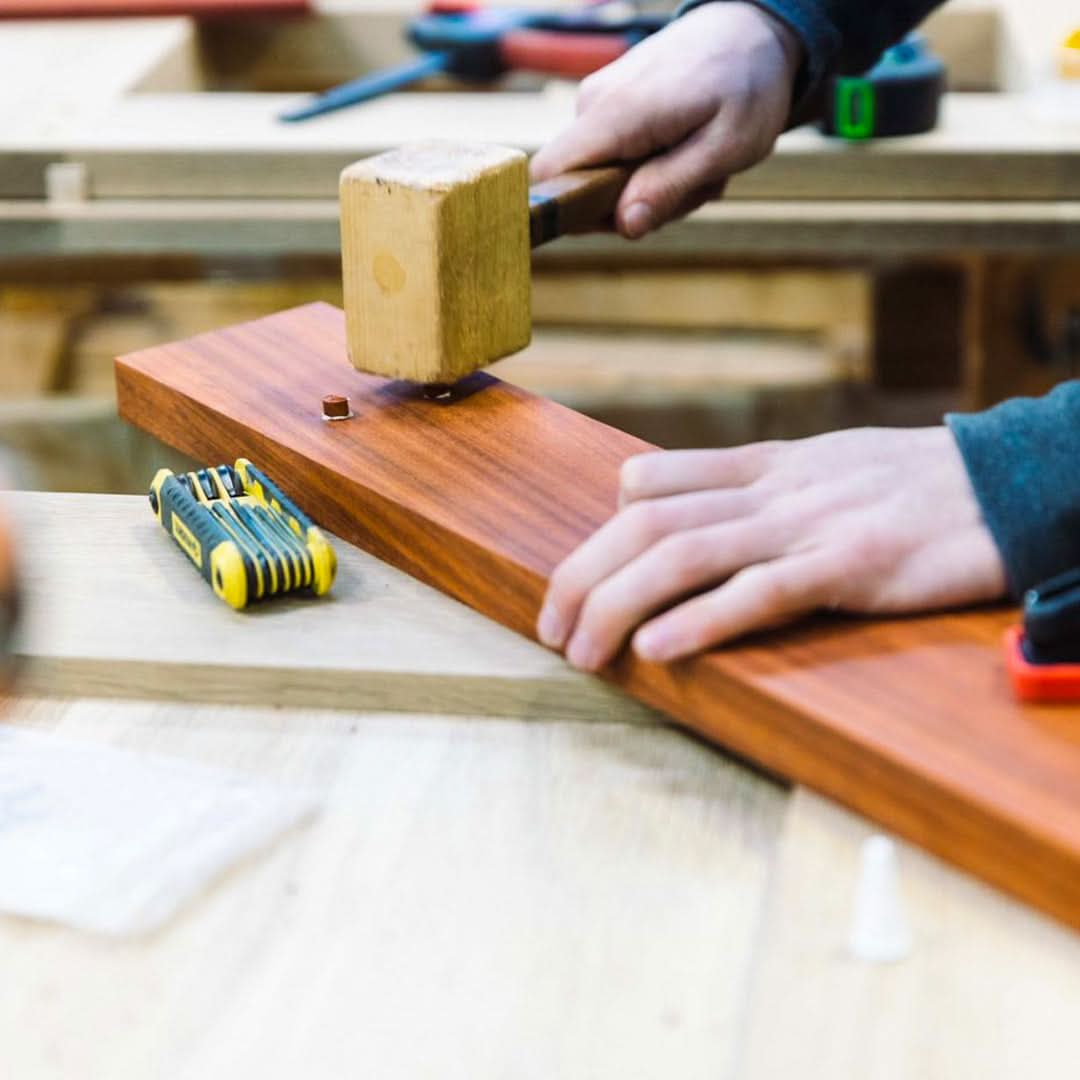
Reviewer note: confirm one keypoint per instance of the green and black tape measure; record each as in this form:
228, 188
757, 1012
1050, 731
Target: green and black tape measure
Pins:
900, 95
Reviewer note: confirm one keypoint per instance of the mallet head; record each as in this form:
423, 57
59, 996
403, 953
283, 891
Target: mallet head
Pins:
435, 256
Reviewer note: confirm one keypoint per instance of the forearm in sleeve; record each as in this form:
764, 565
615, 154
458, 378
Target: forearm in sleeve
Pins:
1023, 459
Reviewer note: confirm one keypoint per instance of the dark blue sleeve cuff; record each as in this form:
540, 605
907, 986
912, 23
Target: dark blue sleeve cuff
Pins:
1023, 459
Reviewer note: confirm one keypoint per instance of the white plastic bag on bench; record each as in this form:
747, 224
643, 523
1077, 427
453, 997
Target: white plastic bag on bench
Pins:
115, 841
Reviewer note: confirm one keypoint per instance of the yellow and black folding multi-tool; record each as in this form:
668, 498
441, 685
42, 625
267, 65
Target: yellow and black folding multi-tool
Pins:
244, 534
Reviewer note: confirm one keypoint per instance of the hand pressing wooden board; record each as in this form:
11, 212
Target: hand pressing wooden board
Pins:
910, 722
114, 609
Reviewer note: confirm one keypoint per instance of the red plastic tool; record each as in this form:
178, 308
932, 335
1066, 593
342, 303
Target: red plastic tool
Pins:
1038, 682
1043, 655
551, 52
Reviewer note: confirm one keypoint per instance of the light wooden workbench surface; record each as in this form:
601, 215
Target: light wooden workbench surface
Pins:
150, 628
483, 896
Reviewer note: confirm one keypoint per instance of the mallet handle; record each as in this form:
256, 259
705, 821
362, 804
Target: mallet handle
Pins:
575, 202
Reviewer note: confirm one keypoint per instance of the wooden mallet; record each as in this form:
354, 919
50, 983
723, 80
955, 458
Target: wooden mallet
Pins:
435, 243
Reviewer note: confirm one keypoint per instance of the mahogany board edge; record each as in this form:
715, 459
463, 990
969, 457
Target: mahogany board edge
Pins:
908, 722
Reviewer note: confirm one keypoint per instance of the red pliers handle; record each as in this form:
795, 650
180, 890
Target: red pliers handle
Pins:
565, 54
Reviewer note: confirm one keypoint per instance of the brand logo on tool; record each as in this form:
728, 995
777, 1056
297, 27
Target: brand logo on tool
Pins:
186, 539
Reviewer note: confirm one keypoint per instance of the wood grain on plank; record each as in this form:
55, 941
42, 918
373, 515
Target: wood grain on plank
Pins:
114, 609
479, 899
910, 722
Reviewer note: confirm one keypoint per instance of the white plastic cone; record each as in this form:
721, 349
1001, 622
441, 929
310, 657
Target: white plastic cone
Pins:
879, 931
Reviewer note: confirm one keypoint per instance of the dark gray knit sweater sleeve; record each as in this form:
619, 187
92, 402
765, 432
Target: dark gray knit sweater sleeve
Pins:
840, 36
1023, 458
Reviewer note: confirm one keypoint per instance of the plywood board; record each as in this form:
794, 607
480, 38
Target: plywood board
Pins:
115, 610
910, 722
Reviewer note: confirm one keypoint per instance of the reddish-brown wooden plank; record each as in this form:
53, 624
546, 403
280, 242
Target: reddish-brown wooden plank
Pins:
908, 721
